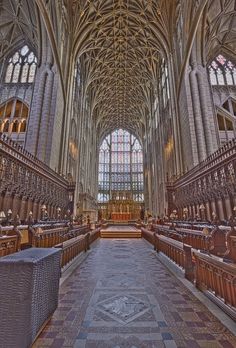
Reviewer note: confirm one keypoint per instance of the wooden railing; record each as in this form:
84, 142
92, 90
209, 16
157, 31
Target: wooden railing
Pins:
9, 245
148, 235
206, 272
178, 252
94, 235
73, 247
79, 230
217, 277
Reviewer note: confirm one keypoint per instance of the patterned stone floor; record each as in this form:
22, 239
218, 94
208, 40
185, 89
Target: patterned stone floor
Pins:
121, 296
121, 228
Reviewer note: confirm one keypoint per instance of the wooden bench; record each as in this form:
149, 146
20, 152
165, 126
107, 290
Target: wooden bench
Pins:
9, 244
48, 238
214, 241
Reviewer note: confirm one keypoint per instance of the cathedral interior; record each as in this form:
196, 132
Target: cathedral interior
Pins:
118, 173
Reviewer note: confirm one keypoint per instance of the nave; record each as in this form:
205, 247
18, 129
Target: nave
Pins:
122, 296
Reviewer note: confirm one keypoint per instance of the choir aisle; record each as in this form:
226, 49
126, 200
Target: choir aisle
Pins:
121, 296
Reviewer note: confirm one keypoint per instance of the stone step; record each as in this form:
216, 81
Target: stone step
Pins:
120, 234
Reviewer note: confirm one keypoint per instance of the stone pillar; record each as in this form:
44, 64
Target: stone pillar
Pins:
45, 121
207, 110
199, 129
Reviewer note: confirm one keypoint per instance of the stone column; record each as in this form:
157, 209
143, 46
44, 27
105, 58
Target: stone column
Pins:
199, 128
207, 110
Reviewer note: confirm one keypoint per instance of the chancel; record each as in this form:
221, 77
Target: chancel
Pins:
117, 173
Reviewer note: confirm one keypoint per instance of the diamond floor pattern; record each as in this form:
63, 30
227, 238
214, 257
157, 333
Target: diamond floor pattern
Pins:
132, 301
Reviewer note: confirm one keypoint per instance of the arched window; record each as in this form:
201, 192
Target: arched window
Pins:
164, 80
226, 127
222, 71
13, 116
120, 166
21, 67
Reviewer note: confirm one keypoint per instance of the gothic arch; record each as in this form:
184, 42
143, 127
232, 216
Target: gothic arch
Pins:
14, 114
24, 58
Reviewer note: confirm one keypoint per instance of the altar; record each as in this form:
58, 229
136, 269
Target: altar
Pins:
121, 216
121, 207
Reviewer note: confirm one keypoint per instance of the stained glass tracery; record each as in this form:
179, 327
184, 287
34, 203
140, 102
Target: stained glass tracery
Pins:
21, 67
120, 166
222, 71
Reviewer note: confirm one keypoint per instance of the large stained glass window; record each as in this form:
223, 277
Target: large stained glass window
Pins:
222, 71
21, 67
120, 166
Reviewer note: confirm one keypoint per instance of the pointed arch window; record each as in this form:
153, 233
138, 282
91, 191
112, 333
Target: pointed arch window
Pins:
222, 72
21, 67
120, 166
13, 116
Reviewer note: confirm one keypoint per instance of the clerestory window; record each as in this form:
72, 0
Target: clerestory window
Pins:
222, 72
21, 67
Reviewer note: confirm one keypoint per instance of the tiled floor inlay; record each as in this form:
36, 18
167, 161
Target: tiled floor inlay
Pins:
123, 308
121, 296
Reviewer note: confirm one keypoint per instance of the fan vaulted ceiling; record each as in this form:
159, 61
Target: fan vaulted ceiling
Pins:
120, 42
17, 24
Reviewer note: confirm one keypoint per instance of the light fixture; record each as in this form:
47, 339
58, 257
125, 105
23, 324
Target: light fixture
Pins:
9, 212
2, 215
